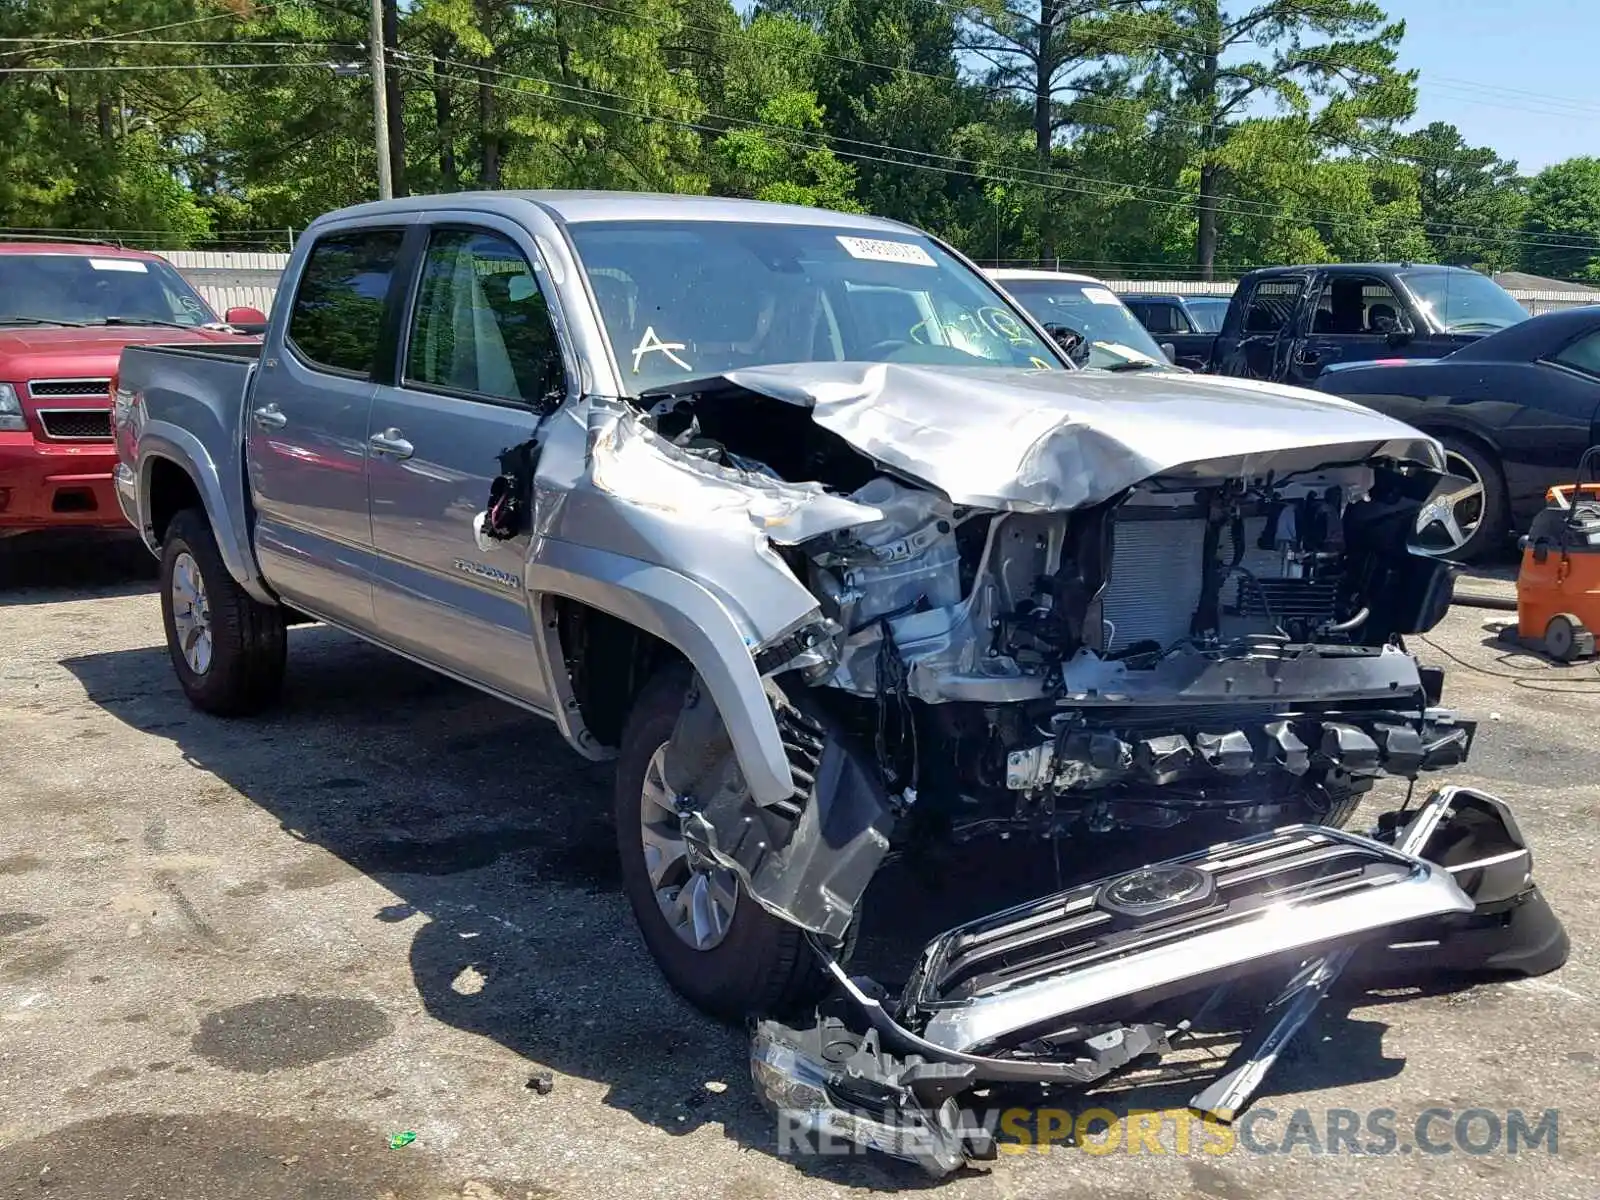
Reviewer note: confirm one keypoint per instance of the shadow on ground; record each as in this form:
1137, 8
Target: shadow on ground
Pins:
51, 566
496, 839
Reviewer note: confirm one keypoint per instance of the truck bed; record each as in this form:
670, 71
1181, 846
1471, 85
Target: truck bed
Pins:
191, 401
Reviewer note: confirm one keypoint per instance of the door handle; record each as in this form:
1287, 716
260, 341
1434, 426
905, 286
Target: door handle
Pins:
268, 416
391, 442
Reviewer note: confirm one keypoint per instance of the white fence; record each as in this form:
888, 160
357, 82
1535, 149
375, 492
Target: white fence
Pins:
227, 278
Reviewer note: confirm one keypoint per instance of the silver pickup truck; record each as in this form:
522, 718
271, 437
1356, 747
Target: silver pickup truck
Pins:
798, 517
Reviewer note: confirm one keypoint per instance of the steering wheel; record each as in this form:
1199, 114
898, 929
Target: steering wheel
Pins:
888, 347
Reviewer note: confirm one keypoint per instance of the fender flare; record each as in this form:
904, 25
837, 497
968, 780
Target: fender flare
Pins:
164, 441
685, 615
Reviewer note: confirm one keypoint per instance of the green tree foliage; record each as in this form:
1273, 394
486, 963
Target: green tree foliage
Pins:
1130, 137
1563, 220
1472, 201
1229, 61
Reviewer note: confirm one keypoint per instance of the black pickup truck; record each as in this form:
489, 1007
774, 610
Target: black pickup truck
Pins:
1291, 324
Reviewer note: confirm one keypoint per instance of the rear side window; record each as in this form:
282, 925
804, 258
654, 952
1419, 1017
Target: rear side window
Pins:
1271, 304
1160, 317
338, 308
1582, 355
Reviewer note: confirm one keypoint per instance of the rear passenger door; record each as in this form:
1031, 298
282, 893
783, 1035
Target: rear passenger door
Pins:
306, 431
481, 366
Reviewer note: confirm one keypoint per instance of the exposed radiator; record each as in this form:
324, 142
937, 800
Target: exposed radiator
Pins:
1155, 577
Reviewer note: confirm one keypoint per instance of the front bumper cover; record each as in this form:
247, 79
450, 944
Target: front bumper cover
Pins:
1053, 992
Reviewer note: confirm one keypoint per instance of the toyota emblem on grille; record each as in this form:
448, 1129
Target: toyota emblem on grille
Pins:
1155, 889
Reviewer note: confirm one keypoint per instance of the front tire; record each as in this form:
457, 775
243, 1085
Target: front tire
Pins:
227, 648
744, 962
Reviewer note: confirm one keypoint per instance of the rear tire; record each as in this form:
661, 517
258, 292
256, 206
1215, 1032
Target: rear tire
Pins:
760, 964
1467, 458
227, 648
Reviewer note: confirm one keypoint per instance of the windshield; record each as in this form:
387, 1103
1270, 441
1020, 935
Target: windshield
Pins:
80, 289
689, 299
1114, 334
1206, 312
1464, 301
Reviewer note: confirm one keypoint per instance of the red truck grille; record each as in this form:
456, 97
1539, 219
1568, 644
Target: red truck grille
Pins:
61, 389
77, 424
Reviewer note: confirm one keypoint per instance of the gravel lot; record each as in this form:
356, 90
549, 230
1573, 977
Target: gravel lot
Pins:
236, 957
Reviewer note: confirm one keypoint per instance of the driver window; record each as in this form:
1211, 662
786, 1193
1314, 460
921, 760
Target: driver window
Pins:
482, 324
1353, 305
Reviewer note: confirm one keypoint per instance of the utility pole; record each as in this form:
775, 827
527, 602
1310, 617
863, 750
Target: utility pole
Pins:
380, 104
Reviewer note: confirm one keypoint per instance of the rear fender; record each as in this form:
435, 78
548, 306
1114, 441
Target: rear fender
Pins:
227, 513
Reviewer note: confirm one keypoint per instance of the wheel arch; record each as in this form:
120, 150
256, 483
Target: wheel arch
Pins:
672, 616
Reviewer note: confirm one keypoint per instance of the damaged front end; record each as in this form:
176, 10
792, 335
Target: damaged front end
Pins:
923, 607
1018, 604
1070, 989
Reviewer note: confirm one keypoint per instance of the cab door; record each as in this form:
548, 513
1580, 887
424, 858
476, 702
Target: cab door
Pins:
306, 431
481, 366
1352, 319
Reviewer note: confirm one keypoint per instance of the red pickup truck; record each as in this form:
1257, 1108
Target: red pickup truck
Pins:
66, 312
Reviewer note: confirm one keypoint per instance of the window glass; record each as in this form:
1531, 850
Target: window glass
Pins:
1160, 317
482, 324
1113, 334
1358, 304
338, 309
1271, 304
1463, 301
1207, 312
90, 289
1583, 354
685, 300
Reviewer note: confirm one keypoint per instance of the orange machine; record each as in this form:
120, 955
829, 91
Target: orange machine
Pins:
1558, 587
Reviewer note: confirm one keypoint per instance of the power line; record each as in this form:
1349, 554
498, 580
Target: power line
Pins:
1004, 175
113, 37
1118, 108
1232, 206
215, 66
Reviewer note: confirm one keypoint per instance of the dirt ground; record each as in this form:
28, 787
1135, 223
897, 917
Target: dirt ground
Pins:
235, 957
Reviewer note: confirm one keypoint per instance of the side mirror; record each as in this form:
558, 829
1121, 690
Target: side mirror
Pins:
246, 317
1171, 352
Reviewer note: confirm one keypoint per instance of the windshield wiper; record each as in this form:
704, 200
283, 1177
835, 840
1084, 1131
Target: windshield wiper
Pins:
1134, 365
39, 321
145, 321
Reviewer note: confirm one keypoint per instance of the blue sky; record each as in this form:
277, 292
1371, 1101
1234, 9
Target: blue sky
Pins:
1518, 78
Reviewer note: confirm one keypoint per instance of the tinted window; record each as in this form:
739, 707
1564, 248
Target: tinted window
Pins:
339, 307
1271, 304
1160, 317
88, 289
482, 324
683, 300
1583, 354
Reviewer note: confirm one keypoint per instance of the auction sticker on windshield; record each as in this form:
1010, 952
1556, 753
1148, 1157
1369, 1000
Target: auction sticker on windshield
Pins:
119, 264
878, 250
1099, 295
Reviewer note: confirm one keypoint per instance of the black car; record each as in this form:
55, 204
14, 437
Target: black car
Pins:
1514, 410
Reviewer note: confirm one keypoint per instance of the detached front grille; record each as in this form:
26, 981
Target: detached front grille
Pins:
1134, 939
62, 389
76, 424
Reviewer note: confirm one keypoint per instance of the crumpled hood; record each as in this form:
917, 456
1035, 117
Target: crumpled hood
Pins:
1052, 440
